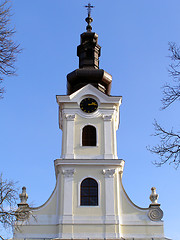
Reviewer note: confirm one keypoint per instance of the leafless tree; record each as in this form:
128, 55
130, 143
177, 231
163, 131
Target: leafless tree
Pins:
8, 48
171, 92
169, 147
9, 212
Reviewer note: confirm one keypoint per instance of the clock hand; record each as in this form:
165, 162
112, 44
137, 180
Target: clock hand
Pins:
92, 104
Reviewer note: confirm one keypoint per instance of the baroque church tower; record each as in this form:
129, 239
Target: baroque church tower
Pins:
89, 201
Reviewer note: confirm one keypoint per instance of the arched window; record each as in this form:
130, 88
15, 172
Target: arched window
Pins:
89, 192
89, 136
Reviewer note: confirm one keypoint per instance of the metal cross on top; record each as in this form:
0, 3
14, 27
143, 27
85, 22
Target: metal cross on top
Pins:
89, 8
89, 18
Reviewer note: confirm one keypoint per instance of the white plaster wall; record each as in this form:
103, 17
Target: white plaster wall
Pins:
108, 106
106, 137
82, 173
116, 216
80, 150
128, 221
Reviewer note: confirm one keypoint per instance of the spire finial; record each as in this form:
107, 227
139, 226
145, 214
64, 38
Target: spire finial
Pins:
89, 18
89, 8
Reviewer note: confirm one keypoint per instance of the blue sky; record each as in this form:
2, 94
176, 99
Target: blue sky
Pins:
134, 37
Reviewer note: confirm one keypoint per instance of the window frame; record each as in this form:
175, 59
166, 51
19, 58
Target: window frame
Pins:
79, 193
81, 129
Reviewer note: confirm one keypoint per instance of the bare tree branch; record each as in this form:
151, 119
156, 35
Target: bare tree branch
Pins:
9, 213
8, 197
171, 93
8, 48
169, 147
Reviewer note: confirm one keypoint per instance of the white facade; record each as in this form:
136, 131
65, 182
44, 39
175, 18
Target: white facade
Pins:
72, 120
115, 216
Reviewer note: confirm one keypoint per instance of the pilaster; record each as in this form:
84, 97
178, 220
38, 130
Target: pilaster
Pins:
68, 174
69, 135
108, 154
109, 193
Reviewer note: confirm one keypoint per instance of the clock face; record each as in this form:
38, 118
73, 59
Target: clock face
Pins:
88, 105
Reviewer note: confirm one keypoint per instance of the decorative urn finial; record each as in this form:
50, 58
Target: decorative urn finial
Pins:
155, 213
23, 211
154, 196
23, 197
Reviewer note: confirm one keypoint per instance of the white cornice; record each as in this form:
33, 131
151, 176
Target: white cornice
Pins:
110, 162
123, 220
91, 91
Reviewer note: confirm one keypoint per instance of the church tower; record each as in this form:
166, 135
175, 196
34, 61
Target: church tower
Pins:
89, 201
